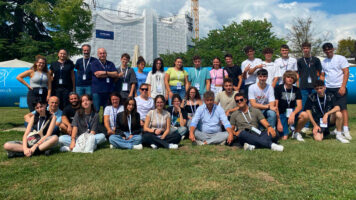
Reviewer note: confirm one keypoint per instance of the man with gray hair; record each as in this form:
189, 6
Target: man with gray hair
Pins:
205, 127
83, 76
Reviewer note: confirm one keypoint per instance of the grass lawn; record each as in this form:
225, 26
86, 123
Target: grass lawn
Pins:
310, 170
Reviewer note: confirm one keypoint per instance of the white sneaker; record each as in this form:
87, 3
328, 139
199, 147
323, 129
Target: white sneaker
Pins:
342, 139
305, 130
153, 146
199, 143
276, 147
111, 146
249, 147
138, 147
64, 149
347, 135
173, 146
333, 132
297, 136
223, 143
183, 137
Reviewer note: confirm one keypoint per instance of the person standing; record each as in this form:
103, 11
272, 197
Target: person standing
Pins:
127, 79
234, 72
155, 79
84, 74
176, 80
141, 76
199, 77
285, 62
249, 67
217, 75
273, 70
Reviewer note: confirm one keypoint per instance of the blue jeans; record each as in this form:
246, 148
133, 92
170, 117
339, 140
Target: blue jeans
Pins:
305, 94
271, 117
65, 140
100, 99
118, 142
174, 90
83, 90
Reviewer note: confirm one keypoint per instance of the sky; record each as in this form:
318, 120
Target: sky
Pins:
335, 18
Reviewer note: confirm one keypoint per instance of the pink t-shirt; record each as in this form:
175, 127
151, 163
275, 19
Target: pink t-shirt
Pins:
217, 76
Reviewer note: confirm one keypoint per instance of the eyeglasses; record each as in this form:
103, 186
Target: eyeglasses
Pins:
144, 89
239, 100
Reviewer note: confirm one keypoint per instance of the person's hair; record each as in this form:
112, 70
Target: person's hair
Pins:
176, 96
141, 60
154, 68
327, 45
306, 44
319, 83
196, 57
144, 84
291, 74
267, 50
114, 94
217, 58
240, 94
81, 110
86, 45
126, 111
262, 72
197, 95
208, 94
73, 93
227, 80
228, 55
38, 101
284, 46
159, 97
248, 48
34, 66
175, 60
125, 55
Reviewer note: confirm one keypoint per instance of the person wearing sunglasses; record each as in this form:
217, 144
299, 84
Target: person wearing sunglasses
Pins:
245, 122
144, 103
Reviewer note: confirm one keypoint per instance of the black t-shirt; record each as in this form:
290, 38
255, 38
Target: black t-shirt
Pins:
281, 95
122, 124
175, 119
234, 72
313, 105
305, 71
41, 121
62, 73
69, 112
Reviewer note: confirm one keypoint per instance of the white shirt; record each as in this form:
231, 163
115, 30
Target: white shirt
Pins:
250, 78
264, 96
333, 70
156, 80
144, 106
273, 72
284, 65
112, 112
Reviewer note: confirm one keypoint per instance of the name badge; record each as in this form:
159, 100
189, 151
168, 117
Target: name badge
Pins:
289, 111
159, 88
125, 87
197, 85
255, 130
84, 77
108, 80
179, 85
322, 125
60, 81
309, 79
40, 91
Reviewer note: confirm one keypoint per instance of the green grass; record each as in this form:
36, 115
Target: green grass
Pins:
310, 170
11, 117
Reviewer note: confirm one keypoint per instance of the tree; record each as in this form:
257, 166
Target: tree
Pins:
302, 31
32, 27
230, 39
346, 47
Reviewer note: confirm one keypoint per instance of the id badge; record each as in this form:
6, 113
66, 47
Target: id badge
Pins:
309, 79
84, 77
322, 125
197, 85
40, 91
125, 87
108, 80
60, 81
289, 111
159, 89
179, 85
255, 130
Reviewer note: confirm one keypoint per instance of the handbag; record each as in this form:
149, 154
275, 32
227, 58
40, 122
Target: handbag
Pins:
35, 136
85, 143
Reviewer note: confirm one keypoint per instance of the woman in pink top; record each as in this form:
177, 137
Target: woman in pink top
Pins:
217, 76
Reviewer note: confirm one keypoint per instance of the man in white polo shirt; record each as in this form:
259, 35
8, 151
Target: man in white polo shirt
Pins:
336, 74
285, 62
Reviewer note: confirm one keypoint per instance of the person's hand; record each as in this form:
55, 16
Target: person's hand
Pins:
247, 68
271, 131
273, 108
236, 89
142, 123
72, 144
158, 131
48, 96
166, 96
69, 130
325, 118
230, 138
342, 91
227, 113
192, 137
291, 119
121, 74
128, 138
27, 152
111, 132
316, 130
279, 126
30, 88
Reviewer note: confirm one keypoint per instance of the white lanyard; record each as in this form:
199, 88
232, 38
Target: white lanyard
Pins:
159, 125
85, 66
243, 114
125, 72
291, 93
191, 107
309, 62
114, 113
38, 123
129, 122
197, 76
320, 103
178, 75
104, 67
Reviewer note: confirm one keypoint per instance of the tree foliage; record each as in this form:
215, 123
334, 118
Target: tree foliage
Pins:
230, 39
32, 27
347, 47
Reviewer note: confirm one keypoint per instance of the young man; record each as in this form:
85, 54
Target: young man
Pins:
289, 103
205, 127
247, 120
127, 78
144, 103
261, 96
286, 63
226, 97
234, 72
199, 77
336, 74
249, 67
69, 112
322, 110
273, 71
84, 74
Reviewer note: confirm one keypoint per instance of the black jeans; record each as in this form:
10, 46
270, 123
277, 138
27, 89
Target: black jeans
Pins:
150, 138
260, 141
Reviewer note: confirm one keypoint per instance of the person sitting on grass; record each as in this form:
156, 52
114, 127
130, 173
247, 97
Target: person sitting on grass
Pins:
42, 121
246, 120
85, 119
111, 111
191, 102
68, 113
205, 127
128, 131
179, 116
157, 127
322, 111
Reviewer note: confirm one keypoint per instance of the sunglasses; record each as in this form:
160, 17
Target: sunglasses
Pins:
239, 100
144, 89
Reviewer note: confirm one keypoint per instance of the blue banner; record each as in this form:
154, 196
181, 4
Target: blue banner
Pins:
108, 35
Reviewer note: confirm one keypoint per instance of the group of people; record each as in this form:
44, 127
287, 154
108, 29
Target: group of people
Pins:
252, 106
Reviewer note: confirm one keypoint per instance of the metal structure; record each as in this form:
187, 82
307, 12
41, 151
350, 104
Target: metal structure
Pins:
195, 16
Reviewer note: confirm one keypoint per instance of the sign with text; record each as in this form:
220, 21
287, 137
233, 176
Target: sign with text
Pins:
108, 35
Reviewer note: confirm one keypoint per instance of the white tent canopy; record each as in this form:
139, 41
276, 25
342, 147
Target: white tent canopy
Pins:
15, 63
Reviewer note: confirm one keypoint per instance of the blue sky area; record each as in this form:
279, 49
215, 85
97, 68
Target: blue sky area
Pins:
332, 6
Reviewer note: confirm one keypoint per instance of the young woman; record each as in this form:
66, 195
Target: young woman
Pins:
44, 120
157, 127
155, 79
40, 85
179, 116
141, 76
191, 102
217, 75
85, 120
176, 80
111, 111
128, 132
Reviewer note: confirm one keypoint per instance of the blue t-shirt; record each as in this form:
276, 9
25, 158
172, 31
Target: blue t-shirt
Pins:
100, 85
141, 78
198, 77
84, 68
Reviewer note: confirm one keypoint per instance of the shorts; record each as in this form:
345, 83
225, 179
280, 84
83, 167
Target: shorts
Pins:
340, 100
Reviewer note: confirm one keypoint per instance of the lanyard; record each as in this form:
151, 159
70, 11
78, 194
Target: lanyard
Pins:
243, 114
85, 66
290, 96
309, 62
38, 123
191, 107
104, 66
197, 76
88, 123
159, 125
215, 75
178, 75
125, 72
41, 79
129, 122
320, 104
114, 113
60, 70
173, 116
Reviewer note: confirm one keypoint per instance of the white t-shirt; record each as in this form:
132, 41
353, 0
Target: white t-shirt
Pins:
112, 112
261, 96
284, 65
273, 72
333, 70
250, 78
157, 83
144, 106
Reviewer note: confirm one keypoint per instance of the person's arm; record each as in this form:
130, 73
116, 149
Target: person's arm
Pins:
182, 121
166, 83
186, 82
227, 113
207, 82
146, 127
299, 108
112, 74
316, 127
322, 76
107, 125
28, 117
237, 132
194, 124
272, 106
49, 85
72, 76
165, 133
239, 84
342, 90
270, 129
252, 70
74, 135
132, 90
275, 81
327, 114
279, 122
149, 90
191, 133
230, 138
21, 77
49, 130
66, 122
26, 150
94, 125
259, 106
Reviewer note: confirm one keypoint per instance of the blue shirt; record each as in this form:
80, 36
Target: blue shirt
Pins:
210, 122
100, 85
58, 114
199, 76
141, 78
84, 68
